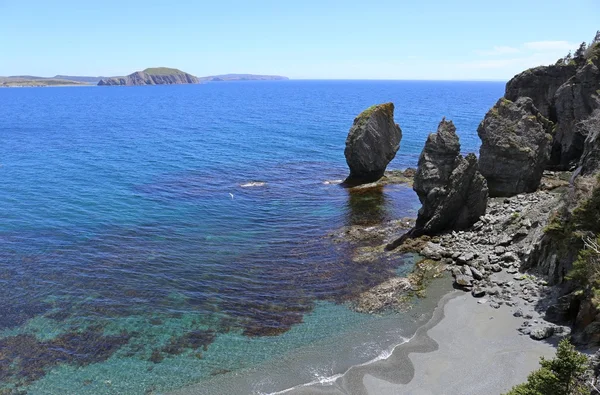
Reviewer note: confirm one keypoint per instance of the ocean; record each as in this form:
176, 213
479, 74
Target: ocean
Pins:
166, 237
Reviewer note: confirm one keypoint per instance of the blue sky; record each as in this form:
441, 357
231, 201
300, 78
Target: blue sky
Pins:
423, 39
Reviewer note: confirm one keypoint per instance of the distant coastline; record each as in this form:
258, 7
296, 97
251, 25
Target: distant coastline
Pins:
150, 76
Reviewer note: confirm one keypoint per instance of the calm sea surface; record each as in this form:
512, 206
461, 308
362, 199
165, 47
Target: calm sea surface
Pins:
135, 257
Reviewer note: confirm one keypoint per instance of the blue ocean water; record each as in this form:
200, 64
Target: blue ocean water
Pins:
131, 237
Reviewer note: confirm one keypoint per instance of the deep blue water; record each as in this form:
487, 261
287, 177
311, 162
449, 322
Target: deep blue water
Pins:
125, 225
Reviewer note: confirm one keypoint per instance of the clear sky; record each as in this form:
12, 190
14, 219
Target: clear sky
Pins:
395, 39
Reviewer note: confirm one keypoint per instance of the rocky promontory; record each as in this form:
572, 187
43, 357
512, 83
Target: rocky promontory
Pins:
372, 143
152, 76
567, 93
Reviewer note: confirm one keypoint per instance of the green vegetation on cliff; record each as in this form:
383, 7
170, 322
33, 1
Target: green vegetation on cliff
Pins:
162, 71
562, 375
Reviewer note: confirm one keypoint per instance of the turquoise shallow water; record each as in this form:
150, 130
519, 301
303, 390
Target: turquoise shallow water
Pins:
123, 249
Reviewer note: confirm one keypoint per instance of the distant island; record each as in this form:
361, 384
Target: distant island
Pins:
152, 76
168, 76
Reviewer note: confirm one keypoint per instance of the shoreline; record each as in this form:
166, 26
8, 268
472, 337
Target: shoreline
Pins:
429, 362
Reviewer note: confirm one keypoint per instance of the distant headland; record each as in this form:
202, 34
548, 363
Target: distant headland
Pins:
58, 80
149, 76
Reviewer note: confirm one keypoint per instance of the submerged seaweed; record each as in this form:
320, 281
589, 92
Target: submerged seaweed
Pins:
23, 358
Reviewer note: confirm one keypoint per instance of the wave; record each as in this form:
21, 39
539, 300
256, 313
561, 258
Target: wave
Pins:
253, 184
323, 380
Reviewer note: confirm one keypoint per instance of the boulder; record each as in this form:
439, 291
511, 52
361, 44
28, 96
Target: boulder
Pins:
450, 188
432, 251
372, 143
541, 333
464, 280
515, 147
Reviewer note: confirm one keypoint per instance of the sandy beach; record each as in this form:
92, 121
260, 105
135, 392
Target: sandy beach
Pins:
466, 348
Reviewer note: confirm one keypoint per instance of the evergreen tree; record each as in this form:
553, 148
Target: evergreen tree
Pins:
580, 53
559, 376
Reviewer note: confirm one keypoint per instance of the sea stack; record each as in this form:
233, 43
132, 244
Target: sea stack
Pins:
515, 147
452, 192
372, 143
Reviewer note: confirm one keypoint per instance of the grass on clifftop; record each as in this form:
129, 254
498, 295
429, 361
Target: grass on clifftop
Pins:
162, 71
364, 116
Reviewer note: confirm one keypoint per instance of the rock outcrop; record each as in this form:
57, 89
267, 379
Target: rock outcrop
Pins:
540, 84
372, 143
590, 159
152, 76
452, 192
566, 93
515, 147
575, 102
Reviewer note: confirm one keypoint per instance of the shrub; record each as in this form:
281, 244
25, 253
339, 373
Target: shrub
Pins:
563, 375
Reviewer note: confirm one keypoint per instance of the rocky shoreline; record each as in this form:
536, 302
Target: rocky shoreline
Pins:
489, 260
512, 225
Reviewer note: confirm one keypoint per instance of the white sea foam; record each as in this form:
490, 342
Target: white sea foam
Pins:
253, 184
332, 182
331, 379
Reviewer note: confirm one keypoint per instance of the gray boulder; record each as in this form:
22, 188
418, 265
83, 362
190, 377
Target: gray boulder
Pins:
541, 333
450, 188
515, 147
464, 280
372, 143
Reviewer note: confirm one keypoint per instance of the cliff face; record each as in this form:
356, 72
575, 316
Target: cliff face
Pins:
549, 119
568, 95
158, 76
540, 84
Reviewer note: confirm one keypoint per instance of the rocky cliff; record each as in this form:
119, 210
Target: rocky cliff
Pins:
540, 84
372, 143
152, 76
540, 222
567, 94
